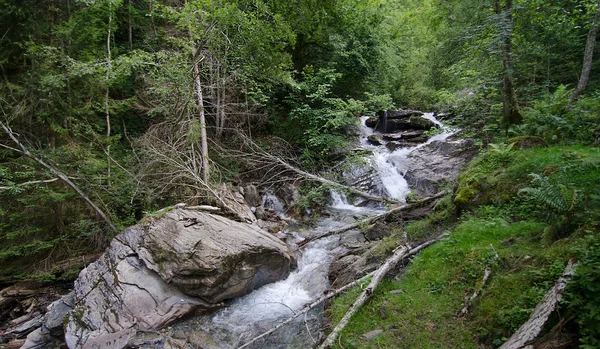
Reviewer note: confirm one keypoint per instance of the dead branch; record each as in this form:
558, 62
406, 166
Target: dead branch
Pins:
60, 175
532, 327
486, 275
30, 183
334, 293
372, 219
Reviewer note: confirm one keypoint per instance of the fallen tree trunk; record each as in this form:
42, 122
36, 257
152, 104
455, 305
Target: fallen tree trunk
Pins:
486, 275
372, 219
399, 254
260, 159
334, 293
60, 175
531, 329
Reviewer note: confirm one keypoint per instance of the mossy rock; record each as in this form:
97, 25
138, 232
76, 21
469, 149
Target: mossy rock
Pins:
528, 142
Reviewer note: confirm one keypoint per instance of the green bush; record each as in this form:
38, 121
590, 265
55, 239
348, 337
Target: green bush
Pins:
549, 118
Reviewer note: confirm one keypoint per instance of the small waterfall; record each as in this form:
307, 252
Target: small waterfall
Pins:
392, 165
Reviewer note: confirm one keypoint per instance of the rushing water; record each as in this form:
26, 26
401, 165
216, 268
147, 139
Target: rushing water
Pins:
264, 308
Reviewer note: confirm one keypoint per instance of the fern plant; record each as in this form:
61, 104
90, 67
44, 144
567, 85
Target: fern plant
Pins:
557, 201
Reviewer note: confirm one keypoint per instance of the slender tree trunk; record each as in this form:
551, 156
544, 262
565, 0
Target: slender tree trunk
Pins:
201, 115
129, 25
587, 59
106, 96
510, 108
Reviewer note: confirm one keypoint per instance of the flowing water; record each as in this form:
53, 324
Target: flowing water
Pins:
264, 308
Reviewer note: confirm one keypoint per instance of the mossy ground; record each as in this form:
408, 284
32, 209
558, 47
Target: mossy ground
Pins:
433, 289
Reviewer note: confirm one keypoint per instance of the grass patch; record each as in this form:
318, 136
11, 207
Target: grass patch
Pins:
435, 285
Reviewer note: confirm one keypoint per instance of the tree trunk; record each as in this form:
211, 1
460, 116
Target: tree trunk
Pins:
106, 95
510, 108
201, 115
129, 25
587, 59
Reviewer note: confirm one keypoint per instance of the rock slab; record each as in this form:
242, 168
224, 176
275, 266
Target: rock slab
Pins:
155, 273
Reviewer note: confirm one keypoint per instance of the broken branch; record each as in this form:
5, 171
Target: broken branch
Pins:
372, 219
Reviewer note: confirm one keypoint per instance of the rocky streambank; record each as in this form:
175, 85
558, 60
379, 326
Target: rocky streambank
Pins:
173, 265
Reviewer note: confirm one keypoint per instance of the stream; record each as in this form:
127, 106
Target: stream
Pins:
261, 310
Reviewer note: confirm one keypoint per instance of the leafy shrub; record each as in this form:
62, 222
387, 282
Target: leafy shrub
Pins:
549, 118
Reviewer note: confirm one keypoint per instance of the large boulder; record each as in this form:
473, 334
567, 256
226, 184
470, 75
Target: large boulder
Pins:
155, 273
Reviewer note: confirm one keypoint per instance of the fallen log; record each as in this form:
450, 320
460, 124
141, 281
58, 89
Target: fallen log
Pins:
532, 327
399, 254
372, 219
332, 294
486, 275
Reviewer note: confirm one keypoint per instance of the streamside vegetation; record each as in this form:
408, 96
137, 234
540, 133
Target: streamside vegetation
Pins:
110, 109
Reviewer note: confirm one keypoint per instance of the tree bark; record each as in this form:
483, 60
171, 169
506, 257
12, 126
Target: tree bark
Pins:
60, 175
510, 108
531, 329
587, 59
372, 219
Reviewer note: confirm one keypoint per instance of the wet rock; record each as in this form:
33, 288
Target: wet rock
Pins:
289, 194
412, 123
55, 317
434, 165
155, 273
372, 121
404, 135
252, 196
260, 212
375, 139
401, 114
376, 231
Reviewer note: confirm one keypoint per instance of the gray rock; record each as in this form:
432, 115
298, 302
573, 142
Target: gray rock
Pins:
260, 212
371, 335
158, 272
433, 166
289, 194
375, 139
252, 196
55, 317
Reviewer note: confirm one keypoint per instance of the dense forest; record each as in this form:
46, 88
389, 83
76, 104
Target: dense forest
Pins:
113, 109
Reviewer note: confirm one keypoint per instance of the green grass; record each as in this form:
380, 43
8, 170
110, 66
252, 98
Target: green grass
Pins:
435, 285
